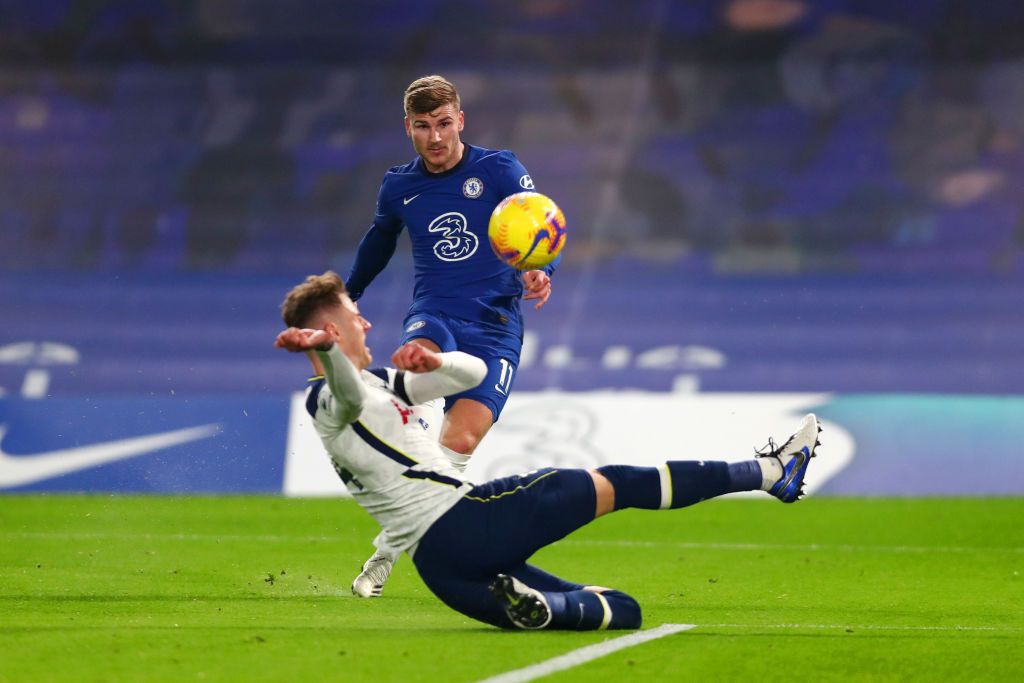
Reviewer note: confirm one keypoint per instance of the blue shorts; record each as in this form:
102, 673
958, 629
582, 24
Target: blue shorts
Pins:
496, 528
497, 345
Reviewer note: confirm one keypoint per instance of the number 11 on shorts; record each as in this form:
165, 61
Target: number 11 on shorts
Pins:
505, 380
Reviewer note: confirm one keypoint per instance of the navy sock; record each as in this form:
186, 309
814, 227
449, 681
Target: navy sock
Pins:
694, 481
745, 476
677, 483
635, 487
587, 611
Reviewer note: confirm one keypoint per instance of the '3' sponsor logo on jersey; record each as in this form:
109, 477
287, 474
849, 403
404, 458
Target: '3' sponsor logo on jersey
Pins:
456, 242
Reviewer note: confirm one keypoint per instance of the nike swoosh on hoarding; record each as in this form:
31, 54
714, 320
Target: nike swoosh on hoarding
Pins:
20, 470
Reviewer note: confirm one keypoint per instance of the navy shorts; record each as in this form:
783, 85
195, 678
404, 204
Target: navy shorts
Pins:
497, 345
496, 528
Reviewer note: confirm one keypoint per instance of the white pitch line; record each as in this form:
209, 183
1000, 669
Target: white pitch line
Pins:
865, 627
585, 654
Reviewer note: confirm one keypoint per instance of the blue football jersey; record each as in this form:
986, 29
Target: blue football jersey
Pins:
446, 215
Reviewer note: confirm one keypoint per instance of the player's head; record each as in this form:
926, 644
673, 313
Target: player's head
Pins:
433, 121
322, 303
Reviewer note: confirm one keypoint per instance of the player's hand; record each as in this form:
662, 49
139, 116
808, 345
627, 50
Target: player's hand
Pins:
538, 286
415, 358
294, 339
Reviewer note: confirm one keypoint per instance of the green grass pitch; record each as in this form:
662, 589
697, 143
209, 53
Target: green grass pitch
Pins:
100, 588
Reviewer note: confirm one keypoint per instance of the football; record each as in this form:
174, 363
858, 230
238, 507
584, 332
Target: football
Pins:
527, 230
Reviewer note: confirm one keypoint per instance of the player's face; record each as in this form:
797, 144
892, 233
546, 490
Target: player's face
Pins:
435, 137
350, 329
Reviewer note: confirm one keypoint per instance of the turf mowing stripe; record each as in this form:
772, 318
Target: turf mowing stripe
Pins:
799, 547
280, 538
864, 627
585, 654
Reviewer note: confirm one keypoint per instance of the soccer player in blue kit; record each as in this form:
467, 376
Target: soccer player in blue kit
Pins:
471, 543
464, 298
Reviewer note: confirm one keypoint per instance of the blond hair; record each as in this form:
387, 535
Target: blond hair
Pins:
305, 301
426, 94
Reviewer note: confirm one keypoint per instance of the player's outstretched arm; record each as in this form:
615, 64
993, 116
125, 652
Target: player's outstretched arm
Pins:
432, 375
538, 286
294, 339
413, 357
347, 389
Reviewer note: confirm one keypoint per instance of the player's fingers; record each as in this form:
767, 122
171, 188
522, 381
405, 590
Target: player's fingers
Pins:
405, 356
542, 295
423, 357
539, 292
412, 353
536, 279
286, 339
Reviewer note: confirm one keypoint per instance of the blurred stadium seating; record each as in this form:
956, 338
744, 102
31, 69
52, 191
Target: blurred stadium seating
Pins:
176, 136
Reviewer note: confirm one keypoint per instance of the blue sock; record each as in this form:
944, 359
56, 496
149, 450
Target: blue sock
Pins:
679, 483
588, 611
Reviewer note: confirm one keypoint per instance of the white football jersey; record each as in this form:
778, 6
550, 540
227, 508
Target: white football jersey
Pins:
388, 457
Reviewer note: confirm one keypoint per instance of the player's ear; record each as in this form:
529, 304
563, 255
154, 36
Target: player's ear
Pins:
462, 120
408, 128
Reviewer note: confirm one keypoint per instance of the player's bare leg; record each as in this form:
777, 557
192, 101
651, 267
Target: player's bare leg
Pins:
465, 424
604, 494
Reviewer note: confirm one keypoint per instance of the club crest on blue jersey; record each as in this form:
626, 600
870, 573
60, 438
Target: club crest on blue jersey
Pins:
457, 242
526, 182
473, 188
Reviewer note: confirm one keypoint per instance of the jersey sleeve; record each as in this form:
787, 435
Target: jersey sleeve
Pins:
512, 176
459, 371
376, 248
348, 392
551, 267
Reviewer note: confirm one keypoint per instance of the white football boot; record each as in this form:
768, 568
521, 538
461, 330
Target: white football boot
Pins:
371, 580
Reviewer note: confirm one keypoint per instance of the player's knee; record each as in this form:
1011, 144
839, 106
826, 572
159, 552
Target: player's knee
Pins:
463, 442
466, 424
618, 477
625, 610
604, 493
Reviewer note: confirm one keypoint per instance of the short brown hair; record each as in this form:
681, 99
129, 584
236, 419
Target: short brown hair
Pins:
318, 292
426, 94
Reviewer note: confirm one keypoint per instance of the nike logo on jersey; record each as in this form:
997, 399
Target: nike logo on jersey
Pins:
409, 199
21, 470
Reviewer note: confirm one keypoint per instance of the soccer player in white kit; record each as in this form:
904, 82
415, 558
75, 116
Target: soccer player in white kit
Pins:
470, 543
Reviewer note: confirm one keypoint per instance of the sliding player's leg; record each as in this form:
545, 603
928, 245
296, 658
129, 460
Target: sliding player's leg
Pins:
674, 484
532, 598
485, 540
529, 598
